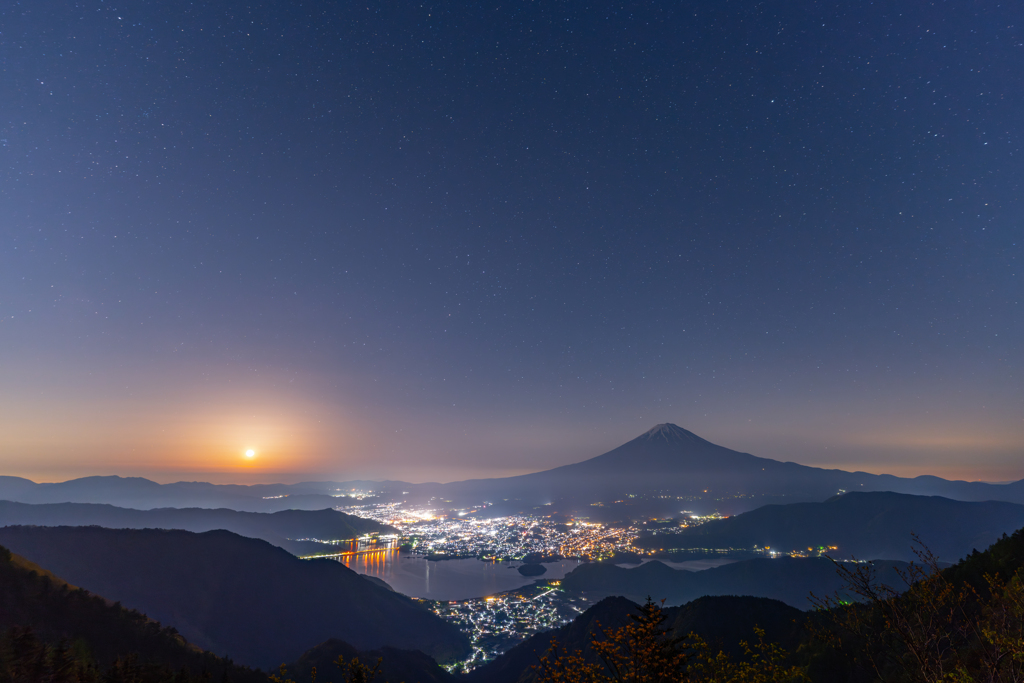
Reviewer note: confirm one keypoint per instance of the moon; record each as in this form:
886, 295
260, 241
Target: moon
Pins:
250, 453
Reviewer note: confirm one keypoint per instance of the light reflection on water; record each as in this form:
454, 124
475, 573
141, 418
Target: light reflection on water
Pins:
415, 576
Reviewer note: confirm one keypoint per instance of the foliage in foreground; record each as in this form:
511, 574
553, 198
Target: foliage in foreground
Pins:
352, 671
643, 651
24, 658
964, 624
53, 632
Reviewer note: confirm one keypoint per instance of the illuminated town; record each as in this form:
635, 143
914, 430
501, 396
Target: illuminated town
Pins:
496, 623
535, 538
512, 537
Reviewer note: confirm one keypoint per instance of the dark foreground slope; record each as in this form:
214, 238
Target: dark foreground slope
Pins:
287, 529
964, 622
722, 621
97, 632
396, 666
787, 579
236, 596
143, 494
864, 525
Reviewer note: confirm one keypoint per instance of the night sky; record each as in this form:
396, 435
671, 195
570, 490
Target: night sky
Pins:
452, 240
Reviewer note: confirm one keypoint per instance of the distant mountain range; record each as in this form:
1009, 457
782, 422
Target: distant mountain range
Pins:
294, 530
235, 596
787, 579
866, 525
143, 494
665, 470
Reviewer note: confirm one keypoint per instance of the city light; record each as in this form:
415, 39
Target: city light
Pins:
496, 623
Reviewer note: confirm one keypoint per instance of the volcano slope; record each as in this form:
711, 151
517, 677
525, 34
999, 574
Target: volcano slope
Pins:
673, 467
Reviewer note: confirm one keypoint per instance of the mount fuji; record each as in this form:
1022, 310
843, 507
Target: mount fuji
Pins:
673, 464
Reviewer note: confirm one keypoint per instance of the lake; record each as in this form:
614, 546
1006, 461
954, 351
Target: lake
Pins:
417, 577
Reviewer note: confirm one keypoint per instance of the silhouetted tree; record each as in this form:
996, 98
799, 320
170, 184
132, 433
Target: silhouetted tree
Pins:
353, 671
644, 651
935, 628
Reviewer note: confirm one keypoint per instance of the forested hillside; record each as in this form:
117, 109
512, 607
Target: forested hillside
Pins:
54, 631
236, 596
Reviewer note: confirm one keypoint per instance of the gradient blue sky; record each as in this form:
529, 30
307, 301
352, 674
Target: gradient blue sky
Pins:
439, 241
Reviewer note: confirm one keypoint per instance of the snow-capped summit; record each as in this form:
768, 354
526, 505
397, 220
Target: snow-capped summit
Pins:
669, 432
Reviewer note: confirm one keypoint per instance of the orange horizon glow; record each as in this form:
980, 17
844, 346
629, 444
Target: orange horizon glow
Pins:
248, 473
56, 425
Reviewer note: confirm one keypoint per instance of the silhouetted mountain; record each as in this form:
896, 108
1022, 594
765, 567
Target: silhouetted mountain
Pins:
100, 632
236, 596
865, 525
289, 529
396, 666
663, 470
787, 579
722, 621
669, 460
143, 494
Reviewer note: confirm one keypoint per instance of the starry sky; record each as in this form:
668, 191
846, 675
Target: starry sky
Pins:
464, 239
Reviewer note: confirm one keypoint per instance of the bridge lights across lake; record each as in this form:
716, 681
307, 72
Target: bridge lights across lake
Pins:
456, 579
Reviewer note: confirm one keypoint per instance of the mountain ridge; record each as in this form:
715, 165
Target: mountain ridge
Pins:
666, 460
785, 579
43, 611
288, 529
235, 596
868, 525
